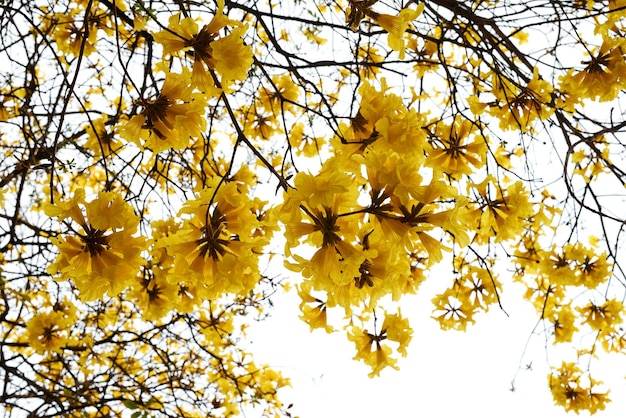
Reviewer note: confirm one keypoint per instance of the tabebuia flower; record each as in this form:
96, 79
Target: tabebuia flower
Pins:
603, 76
169, 120
217, 248
397, 25
226, 54
100, 252
47, 331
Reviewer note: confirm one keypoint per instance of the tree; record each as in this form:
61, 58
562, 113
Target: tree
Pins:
162, 158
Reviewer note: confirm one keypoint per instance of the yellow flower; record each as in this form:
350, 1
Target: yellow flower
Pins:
179, 36
103, 256
570, 391
8, 105
602, 317
100, 139
218, 241
47, 332
111, 211
451, 311
228, 55
603, 77
232, 57
313, 309
69, 35
186, 297
168, 121
303, 144
328, 189
517, 107
279, 95
153, 294
545, 296
371, 60
453, 152
396, 328
476, 285
500, 217
396, 26
68, 209
564, 324
313, 35
371, 351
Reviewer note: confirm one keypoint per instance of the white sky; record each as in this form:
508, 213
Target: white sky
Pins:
446, 373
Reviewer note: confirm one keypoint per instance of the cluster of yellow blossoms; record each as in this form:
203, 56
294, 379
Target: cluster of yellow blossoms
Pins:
217, 247
603, 75
395, 26
373, 220
102, 252
222, 236
170, 120
227, 55
516, 107
72, 39
49, 331
575, 391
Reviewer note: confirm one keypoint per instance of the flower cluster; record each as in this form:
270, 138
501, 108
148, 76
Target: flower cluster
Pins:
371, 216
101, 253
517, 107
474, 289
373, 349
227, 55
500, 212
171, 119
217, 247
457, 149
603, 75
395, 26
576, 391
49, 331
180, 117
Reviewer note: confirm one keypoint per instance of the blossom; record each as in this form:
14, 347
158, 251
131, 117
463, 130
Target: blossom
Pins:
454, 152
279, 95
170, 120
371, 351
219, 240
564, 324
453, 312
154, 295
47, 332
313, 35
313, 309
603, 77
500, 217
603, 317
304, 144
232, 57
396, 26
64, 209
517, 107
574, 391
103, 255
396, 328
68, 34
100, 139
228, 55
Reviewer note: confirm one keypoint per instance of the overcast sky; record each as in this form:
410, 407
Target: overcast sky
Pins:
446, 374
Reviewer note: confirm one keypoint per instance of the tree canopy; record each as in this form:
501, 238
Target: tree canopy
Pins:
167, 166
